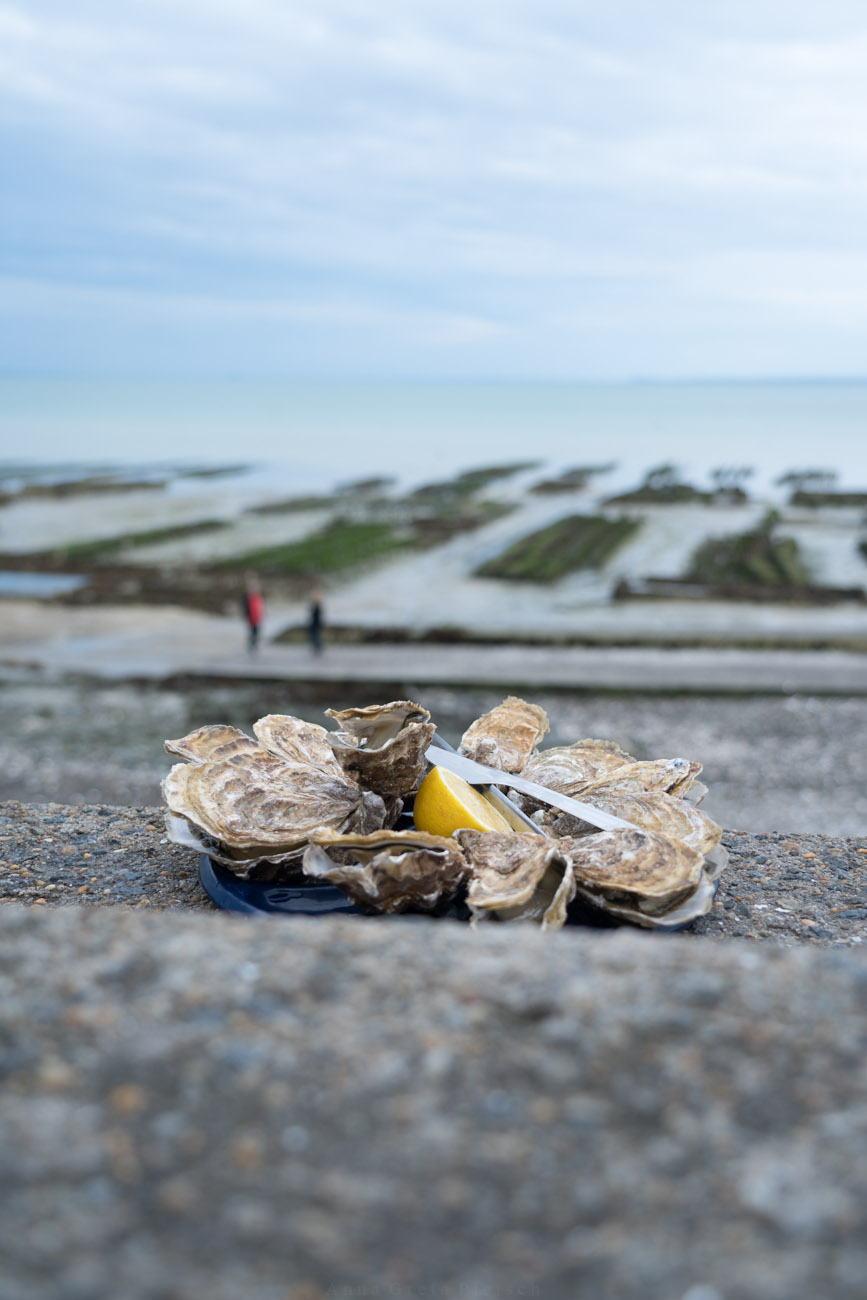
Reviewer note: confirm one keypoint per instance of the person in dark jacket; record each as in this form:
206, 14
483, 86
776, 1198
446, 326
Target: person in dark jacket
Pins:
315, 620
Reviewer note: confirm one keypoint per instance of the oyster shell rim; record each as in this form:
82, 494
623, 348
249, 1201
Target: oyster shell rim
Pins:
443, 869
696, 904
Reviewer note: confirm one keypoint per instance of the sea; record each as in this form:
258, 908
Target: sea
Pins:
315, 435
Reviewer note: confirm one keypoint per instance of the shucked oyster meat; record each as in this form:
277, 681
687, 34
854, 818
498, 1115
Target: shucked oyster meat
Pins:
388, 871
382, 746
506, 736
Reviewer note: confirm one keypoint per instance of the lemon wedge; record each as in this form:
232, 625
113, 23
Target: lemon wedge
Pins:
446, 802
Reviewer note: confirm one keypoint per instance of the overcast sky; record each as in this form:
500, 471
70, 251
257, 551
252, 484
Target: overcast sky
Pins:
490, 188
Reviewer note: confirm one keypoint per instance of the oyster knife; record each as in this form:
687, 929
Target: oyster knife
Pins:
480, 774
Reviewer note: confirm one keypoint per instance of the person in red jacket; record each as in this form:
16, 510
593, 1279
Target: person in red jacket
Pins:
254, 611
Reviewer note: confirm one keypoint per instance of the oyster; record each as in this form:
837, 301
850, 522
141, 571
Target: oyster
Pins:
554, 917
218, 741
388, 871
637, 874
694, 905
505, 737
568, 768
655, 811
577, 770
382, 746
672, 776
297, 741
297, 790
633, 875
517, 877
254, 806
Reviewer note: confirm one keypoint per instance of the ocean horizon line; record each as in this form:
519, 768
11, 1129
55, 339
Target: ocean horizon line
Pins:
457, 381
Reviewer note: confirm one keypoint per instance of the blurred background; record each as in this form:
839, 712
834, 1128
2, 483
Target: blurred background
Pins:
532, 325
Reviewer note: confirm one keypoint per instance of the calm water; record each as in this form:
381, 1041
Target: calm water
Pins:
329, 432
38, 586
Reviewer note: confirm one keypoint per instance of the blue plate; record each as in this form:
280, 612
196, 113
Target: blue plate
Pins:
232, 894
260, 897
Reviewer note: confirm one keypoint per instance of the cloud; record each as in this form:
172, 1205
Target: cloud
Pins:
483, 171
820, 287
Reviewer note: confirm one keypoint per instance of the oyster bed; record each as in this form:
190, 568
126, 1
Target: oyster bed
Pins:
299, 802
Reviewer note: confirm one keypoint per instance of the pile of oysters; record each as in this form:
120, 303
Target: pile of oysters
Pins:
300, 802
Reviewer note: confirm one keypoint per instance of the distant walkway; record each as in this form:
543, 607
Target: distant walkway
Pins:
527, 668
155, 644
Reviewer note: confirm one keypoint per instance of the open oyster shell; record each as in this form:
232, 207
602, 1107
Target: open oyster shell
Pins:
217, 741
656, 811
672, 776
568, 768
388, 871
578, 770
505, 737
382, 746
633, 875
297, 741
517, 877
636, 870
243, 804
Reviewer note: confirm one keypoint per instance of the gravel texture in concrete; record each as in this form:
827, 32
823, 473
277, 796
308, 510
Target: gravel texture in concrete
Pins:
92, 854
198, 1105
317, 1109
790, 888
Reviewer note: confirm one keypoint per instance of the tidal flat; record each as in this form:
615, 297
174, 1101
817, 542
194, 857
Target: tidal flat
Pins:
493, 550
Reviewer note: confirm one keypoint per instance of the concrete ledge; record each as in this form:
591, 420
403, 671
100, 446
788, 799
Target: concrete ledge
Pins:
201, 1106
792, 889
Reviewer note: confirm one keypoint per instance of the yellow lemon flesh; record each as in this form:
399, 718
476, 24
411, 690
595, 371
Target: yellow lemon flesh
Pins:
446, 803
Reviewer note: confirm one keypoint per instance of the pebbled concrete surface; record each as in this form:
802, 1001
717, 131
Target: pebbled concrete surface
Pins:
199, 1105
792, 889
277, 1110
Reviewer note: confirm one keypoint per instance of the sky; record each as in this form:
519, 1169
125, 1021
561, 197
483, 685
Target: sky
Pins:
425, 188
